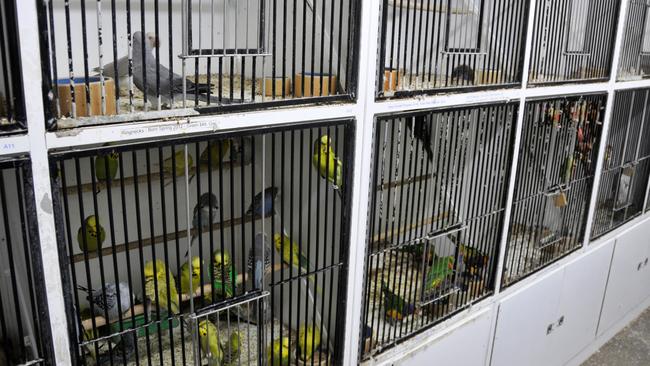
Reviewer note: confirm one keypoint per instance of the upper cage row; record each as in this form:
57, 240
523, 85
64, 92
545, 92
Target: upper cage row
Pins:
111, 62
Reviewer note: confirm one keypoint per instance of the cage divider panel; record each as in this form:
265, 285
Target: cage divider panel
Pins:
438, 197
554, 179
626, 165
634, 62
12, 110
573, 40
432, 46
297, 53
127, 215
24, 323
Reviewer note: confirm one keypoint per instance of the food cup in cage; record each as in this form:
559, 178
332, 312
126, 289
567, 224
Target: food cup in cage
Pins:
82, 107
323, 84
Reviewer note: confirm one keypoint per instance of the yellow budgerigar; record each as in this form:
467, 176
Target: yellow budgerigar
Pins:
156, 279
176, 166
213, 154
328, 165
210, 346
308, 341
194, 272
278, 353
292, 256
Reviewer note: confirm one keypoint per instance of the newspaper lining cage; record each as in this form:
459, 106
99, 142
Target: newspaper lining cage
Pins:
245, 227
572, 40
557, 160
442, 45
12, 113
24, 328
634, 62
112, 62
626, 165
440, 180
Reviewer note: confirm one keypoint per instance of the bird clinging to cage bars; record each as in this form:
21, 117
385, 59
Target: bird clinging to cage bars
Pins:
329, 166
422, 131
157, 288
205, 213
91, 235
263, 203
105, 300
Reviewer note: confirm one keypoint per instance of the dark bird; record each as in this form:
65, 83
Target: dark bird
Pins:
262, 204
422, 131
463, 74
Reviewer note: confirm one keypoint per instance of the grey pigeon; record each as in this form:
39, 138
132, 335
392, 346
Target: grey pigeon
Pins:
107, 305
168, 88
241, 150
123, 63
201, 219
259, 259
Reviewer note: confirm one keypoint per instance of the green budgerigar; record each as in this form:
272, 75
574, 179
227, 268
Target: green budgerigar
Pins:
223, 275
210, 346
106, 166
328, 165
91, 234
232, 349
441, 268
308, 341
278, 353
194, 273
213, 154
166, 297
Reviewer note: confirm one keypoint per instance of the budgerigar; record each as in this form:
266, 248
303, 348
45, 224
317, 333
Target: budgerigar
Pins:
106, 302
567, 169
263, 203
91, 235
223, 275
176, 167
308, 341
259, 259
328, 165
241, 151
106, 166
422, 132
292, 256
210, 346
278, 353
213, 154
205, 213
395, 307
232, 349
441, 268
191, 269
166, 297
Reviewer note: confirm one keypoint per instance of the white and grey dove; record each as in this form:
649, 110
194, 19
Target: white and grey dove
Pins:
123, 64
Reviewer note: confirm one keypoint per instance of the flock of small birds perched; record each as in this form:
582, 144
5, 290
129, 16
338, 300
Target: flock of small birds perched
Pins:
160, 288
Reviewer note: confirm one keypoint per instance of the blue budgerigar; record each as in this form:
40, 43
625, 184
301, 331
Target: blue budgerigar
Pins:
205, 213
259, 259
262, 204
106, 302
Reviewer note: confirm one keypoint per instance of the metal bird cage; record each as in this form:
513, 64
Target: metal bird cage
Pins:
634, 62
445, 45
150, 213
624, 180
24, 328
112, 62
437, 205
557, 161
12, 111
573, 40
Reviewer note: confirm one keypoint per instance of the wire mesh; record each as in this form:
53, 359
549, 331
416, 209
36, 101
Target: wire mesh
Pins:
122, 61
12, 113
23, 321
572, 40
436, 213
626, 164
439, 45
634, 62
557, 160
198, 226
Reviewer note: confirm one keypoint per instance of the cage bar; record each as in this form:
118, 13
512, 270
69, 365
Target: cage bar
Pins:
573, 40
115, 62
437, 205
12, 111
626, 165
24, 328
432, 46
246, 229
557, 161
634, 62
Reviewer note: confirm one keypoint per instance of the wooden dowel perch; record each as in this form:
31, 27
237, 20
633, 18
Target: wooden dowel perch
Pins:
400, 183
380, 238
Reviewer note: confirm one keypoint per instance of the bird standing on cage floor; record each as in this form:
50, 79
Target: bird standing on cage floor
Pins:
210, 345
232, 349
309, 339
262, 204
205, 213
105, 301
278, 353
396, 308
328, 165
158, 76
421, 130
463, 74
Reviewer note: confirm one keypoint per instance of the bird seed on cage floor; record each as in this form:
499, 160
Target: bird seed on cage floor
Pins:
183, 350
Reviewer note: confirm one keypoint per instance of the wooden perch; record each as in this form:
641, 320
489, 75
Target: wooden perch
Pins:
142, 178
100, 321
161, 238
380, 238
400, 183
